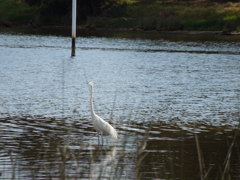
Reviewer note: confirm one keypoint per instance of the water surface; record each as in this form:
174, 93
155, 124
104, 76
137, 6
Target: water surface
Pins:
163, 96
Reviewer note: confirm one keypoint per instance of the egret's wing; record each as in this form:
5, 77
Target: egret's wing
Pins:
104, 127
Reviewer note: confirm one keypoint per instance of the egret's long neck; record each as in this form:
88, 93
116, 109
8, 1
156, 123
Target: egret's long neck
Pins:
91, 101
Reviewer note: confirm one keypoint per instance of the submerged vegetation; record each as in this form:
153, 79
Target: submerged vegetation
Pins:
160, 15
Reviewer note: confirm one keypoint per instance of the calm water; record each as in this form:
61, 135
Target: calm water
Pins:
163, 97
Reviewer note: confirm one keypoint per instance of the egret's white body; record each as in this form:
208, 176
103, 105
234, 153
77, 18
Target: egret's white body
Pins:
101, 126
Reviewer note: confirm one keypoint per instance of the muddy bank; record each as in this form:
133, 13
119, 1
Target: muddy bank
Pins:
130, 33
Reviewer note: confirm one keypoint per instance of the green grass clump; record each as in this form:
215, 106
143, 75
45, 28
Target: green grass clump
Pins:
182, 15
15, 13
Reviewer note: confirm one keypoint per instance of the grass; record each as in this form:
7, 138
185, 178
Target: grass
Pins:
173, 15
160, 15
15, 13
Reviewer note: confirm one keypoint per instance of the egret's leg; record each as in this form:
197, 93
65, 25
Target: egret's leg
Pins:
102, 140
98, 139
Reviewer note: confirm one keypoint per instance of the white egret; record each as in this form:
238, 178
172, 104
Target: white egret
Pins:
101, 126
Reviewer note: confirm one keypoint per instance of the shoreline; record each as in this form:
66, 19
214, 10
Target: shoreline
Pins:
84, 28
133, 33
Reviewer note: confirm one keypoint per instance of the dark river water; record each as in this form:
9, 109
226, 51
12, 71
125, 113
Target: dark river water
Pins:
175, 105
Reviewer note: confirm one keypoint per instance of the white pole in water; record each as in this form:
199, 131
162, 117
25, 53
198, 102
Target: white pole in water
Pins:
74, 22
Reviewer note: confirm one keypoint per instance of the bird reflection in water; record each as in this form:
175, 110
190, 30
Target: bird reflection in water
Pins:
98, 162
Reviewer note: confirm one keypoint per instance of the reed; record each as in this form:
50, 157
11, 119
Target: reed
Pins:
200, 158
226, 170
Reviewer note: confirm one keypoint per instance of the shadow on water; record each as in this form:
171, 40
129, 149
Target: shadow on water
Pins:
43, 148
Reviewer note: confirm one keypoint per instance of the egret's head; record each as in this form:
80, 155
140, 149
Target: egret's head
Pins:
90, 84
